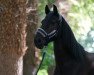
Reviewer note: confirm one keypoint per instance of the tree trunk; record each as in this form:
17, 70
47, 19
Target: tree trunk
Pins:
12, 36
30, 58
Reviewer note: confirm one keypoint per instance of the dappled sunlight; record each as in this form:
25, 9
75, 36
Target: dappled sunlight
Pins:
90, 50
92, 34
85, 25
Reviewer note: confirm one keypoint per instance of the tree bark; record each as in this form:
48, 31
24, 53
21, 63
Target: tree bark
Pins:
31, 58
12, 36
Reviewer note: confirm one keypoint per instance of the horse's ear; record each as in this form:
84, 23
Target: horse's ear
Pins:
55, 9
47, 10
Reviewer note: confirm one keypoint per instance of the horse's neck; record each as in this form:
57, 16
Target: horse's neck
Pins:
66, 47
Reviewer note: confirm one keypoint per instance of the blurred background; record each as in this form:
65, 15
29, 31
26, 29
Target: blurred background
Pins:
80, 16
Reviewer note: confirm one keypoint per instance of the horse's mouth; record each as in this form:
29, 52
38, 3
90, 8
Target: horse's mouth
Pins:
40, 46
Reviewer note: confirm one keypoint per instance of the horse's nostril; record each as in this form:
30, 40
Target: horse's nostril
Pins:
39, 40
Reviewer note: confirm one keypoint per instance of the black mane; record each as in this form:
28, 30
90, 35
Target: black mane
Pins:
70, 44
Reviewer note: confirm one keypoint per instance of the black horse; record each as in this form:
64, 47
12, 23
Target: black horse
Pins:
70, 56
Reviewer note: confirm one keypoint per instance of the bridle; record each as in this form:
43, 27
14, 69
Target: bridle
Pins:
50, 35
47, 37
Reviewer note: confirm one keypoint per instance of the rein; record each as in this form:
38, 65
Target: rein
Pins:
43, 56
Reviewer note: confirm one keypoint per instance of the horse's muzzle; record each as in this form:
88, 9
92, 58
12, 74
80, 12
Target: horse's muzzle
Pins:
39, 41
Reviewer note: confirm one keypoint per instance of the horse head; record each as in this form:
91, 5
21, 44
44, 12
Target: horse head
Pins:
49, 28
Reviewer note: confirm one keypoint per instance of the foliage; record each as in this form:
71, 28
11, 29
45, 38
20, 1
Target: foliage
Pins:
41, 6
43, 72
